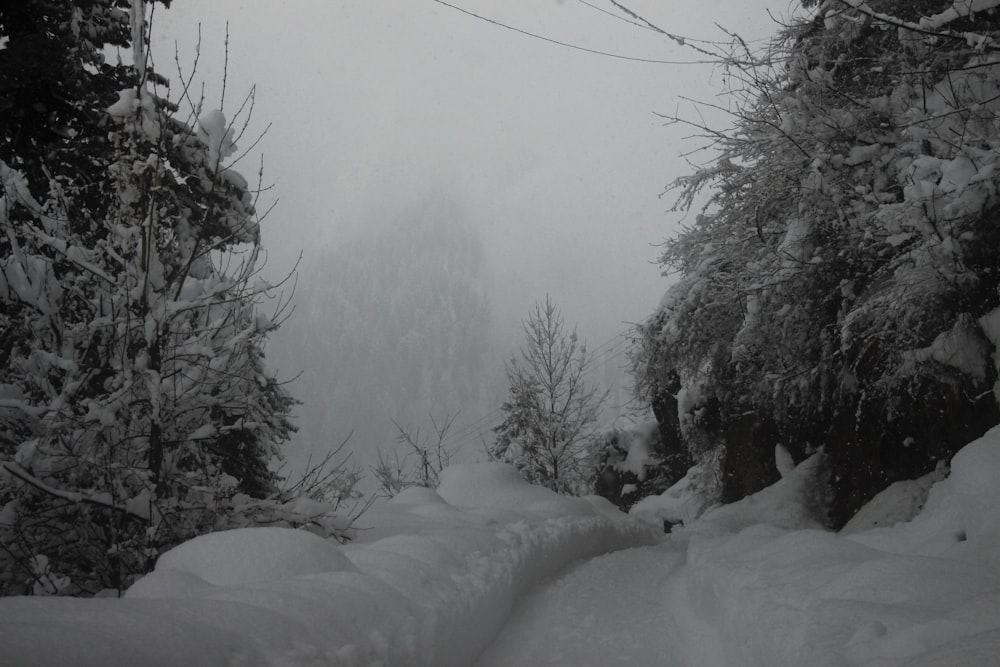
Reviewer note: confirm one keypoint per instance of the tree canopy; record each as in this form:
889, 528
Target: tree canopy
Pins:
839, 288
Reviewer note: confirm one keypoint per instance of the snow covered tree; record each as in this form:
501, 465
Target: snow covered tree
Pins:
550, 412
840, 288
137, 410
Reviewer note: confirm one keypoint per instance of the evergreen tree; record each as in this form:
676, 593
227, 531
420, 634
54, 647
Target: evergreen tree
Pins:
55, 85
550, 412
138, 411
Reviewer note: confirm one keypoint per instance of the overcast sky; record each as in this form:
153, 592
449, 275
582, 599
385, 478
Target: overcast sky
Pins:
556, 153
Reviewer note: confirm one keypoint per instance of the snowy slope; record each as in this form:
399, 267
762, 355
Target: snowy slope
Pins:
437, 573
925, 592
431, 584
616, 609
757, 583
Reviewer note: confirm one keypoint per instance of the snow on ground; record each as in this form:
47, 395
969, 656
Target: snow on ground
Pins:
922, 592
610, 610
430, 582
914, 581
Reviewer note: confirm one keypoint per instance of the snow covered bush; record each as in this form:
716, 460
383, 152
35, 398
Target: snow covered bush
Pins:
836, 288
635, 462
137, 410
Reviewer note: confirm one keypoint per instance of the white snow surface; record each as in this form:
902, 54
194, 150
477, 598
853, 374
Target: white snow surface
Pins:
217, 135
488, 570
592, 615
783, 460
756, 583
638, 442
923, 592
430, 582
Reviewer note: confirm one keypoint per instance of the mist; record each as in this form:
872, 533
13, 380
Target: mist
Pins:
433, 175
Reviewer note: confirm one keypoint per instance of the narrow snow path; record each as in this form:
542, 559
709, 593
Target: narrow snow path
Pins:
625, 608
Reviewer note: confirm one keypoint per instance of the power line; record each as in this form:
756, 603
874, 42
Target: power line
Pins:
574, 46
609, 347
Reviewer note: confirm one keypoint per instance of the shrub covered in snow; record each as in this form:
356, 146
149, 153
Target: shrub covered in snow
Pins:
636, 462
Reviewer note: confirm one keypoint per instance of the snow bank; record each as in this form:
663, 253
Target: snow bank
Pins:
683, 502
430, 582
678, 504
899, 503
922, 592
244, 556
792, 502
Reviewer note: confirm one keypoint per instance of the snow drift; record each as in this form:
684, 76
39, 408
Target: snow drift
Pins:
922, 592
430, 583
915, 581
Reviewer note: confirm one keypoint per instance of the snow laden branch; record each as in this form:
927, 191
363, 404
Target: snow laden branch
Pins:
133, 329
840, 275
935, 26
71, 496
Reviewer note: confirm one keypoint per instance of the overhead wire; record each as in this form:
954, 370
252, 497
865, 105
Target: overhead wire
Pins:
475, 428
599, 356
479, 427
683, 40
570, 45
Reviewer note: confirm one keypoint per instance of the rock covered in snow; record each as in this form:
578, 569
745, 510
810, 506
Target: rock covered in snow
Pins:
243, 556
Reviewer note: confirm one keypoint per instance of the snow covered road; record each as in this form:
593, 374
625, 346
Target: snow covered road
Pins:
429, 581
913, 582
623, 608
489, 568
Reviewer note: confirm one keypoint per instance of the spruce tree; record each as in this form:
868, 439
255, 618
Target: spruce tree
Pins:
137, 409
550, 412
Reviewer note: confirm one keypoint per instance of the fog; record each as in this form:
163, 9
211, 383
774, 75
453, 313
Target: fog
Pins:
384, 115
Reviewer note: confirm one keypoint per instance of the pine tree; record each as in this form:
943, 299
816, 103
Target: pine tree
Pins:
138, 410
